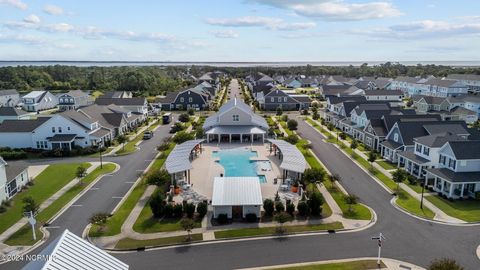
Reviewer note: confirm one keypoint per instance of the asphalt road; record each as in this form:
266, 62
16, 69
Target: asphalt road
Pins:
110, 189
234, 89
408, 238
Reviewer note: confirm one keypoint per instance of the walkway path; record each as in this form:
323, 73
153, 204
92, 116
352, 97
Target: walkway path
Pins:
22, 222
439, 214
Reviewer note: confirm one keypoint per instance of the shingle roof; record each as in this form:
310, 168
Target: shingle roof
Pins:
452, 127
407, 79
22, 125
438, 140
465, 149
336, 100
384, 93
76, 93
440, 82
13, 169
10, 111
135, 101
62, 137
456, 177
465, 77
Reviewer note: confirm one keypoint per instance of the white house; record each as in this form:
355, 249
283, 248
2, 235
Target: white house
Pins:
12, 178
65, 130
38, 101
384, 95
235, 121
236, 196
9, 98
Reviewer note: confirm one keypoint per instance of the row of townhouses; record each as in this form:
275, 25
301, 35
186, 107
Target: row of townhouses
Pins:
199, 97
83, 126
442, 151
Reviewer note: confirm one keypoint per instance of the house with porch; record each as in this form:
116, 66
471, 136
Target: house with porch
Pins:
73, 100
276, 98
458, 172
411, 86
445, 88
235, 121
401, 136
472, 81
185, 99
113, 118
135, 105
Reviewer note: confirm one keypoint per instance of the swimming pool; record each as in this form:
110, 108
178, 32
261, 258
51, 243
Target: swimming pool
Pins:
236, 162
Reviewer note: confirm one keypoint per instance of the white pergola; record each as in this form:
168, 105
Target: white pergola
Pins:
292, 159
180, 158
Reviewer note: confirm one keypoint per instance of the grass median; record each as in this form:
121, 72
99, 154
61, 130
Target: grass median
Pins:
47, 183
128, 243
146, 223
272, 230
23, 237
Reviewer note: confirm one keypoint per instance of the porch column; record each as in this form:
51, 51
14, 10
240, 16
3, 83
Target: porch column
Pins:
419, 171
398, 163
251, 138
230, 136
450, 192
435, 182
263, 138
443, 184
188, 176
241, 139
461, 191
208, 138
411, 167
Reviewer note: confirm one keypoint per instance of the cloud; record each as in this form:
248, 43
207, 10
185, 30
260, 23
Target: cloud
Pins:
256, 21
34, 19
53, 10
225, 34
57, 27
336, 10
302, 35
426, 29
23, 39
14, 3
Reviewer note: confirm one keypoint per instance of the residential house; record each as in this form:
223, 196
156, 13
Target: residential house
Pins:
458, 171
279, 99
64, 130
36, 101
13, 176
401, 136
292, 83
466, 107
117, 94
445, 88
113, 118
11, 113
472, 81
135, 105
339, 90
9, 98
194, 98
411, 86
73, 100
338, 108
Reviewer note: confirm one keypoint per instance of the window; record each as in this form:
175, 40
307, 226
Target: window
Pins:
442, 159
53, 129
452, 163
190, 99
285, 99
182, 99
395, 137
38, 144
59, 129
279, 99
68, 128
272, 99
235, 117
426, 151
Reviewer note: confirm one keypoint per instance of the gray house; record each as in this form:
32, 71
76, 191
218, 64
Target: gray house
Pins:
10, 113
73, 100
185, 99
279, 99
9, 98
38, 101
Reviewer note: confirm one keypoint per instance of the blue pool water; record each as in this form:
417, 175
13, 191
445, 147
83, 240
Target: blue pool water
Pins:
236, 162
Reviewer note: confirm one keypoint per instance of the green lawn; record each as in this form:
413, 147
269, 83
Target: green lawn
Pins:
130, 147
359, 211
23, 236
128, 243
147, 224
271, 230
464, 210
52, 179
353, 265
387, 165
114, 223
412, 205
97, 155
417, 188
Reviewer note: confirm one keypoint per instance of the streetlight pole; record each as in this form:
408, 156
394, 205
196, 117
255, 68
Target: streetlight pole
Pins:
101, 162
423, 188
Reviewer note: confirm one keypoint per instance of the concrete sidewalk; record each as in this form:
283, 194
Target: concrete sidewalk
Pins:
439, 214
22, 222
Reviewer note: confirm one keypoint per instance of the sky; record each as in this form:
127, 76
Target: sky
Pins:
240, 30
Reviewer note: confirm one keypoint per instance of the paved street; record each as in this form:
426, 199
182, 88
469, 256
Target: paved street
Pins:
235, 89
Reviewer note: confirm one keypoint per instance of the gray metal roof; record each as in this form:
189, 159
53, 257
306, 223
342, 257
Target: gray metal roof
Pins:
179, 158
230, 191
236, 130
70, 251
293, 160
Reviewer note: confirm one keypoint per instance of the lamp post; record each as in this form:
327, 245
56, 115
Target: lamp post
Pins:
101, 161
423, 188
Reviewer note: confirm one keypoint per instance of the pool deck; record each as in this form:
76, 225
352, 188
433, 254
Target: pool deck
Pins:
205, 169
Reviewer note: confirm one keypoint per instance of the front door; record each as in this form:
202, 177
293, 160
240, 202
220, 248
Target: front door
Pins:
237, 212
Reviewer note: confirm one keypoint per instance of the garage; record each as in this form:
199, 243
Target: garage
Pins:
236, 196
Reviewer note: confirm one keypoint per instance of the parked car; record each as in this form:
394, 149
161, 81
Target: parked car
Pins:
167, 118
147, 135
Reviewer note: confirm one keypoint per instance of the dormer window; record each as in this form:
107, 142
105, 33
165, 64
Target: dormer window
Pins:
426, 151
419, 148
236, 118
